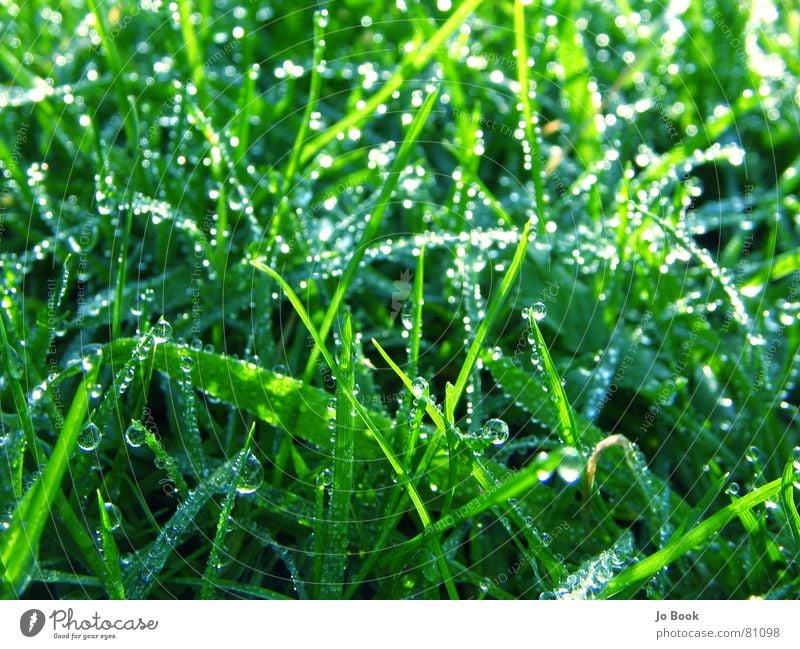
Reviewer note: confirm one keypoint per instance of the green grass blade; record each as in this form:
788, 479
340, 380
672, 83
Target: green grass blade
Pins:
413, 63
110, 553
217, 545
403, 478
20, 543
789, 482
521, 44
371, 230
497, 302
567, 427
338, 526
637, 574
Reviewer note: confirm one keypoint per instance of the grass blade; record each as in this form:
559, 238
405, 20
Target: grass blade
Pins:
637, 574
371, 230
110, 552
337, 529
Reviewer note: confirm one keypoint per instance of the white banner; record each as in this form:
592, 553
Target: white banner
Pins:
401, 625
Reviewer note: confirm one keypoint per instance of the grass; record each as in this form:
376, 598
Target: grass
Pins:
391, 301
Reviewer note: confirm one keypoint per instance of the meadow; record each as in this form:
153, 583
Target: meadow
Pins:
408, 299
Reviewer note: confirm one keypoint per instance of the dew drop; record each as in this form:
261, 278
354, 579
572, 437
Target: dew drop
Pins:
419, 386
733, 489
162, 331
134, 436
114, 515
251, 475
90, 437
569, 469
538, 311
496, 431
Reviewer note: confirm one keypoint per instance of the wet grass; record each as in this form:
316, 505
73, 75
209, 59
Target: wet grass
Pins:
395, 300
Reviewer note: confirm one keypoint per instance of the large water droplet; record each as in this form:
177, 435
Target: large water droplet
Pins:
251, 475
162, 331
569, 469
134, 436
538, 311
496, 431
733, 489
114, 515
90, 437
419, 386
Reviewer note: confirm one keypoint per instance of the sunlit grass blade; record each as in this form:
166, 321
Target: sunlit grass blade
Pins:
19, 545
635, 576
789, 481
110, 551
413, 62
373, 224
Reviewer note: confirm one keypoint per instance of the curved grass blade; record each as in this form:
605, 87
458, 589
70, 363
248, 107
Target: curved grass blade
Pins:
788, 481
635, 576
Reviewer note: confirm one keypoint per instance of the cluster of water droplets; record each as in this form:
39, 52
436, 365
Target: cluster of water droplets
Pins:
592, 577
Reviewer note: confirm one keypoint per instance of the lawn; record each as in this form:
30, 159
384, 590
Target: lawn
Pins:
399, 299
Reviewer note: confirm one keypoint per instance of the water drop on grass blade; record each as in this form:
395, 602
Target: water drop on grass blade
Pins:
134, 436
251, 475
569, 470
89, 438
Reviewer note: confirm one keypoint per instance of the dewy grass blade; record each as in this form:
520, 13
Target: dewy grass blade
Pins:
110, 554
521, 44
637, 574
337, 529
142, 574
20, 543
412, 64
223, 522
402, 475
373, 224
497, 302
567, 428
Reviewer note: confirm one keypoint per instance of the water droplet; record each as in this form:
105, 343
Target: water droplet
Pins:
187, 362
134, 436
752, 454
114, 515
162, 331
485, 585
733, 489
251, 475
279, 371
90, 437
419, 386
496, 431
569, 469
538, 311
